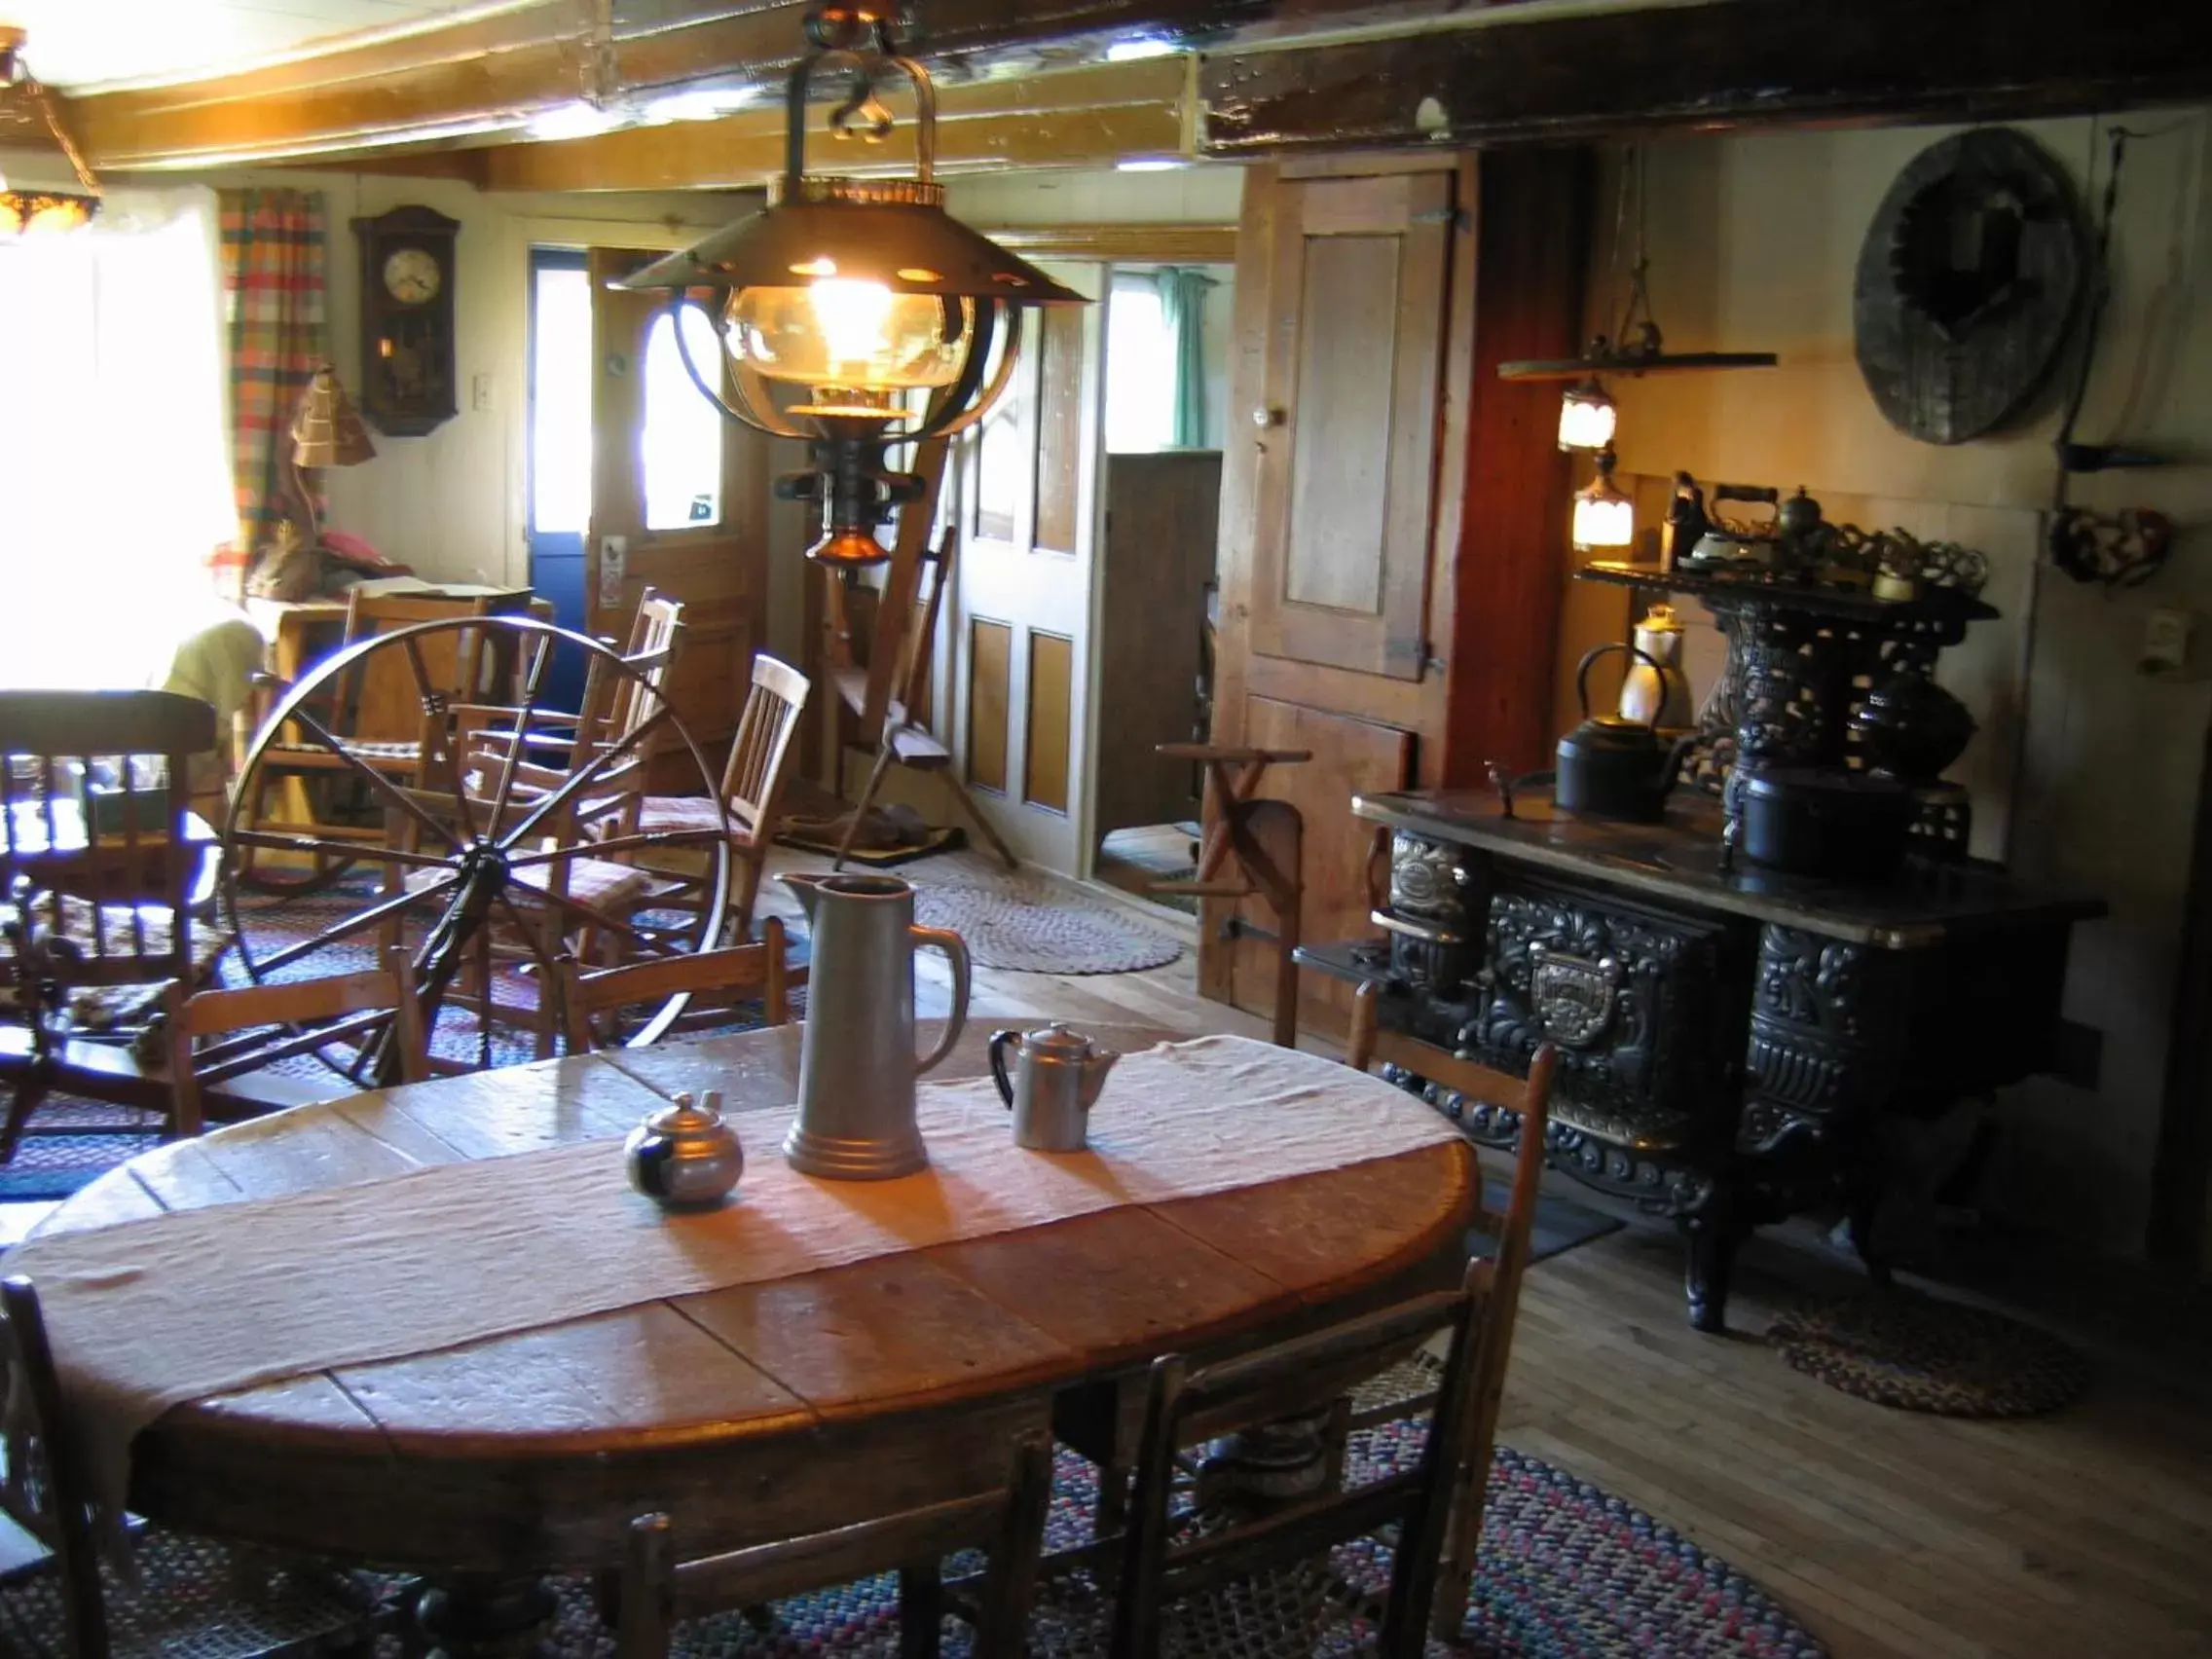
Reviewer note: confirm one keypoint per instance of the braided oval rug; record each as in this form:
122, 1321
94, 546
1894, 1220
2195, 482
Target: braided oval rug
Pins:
1568, 1572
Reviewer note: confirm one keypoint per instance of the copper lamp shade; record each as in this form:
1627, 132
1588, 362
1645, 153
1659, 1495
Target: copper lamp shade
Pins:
899, 322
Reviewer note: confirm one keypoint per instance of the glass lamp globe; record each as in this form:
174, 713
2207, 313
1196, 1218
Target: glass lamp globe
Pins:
1586, 418
850, 343
1603, 517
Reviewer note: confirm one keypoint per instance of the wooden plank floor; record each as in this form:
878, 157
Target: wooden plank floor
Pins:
1888, 1534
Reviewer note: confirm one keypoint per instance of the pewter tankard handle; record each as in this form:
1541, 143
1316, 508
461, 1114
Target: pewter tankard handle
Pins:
955, 949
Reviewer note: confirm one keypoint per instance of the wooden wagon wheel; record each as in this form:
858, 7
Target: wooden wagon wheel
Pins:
486, 856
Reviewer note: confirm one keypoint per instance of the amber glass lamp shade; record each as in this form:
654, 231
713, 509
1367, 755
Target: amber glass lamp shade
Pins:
1586, 418
849, 342
1603, 517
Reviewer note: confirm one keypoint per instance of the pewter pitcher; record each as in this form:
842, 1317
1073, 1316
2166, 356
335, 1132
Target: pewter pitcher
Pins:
857, 1065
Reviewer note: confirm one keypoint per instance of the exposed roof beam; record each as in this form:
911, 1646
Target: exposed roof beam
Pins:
489, 76
1090, 117
1540, 74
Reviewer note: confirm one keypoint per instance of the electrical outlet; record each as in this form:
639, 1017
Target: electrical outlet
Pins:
2165, 640
480, 392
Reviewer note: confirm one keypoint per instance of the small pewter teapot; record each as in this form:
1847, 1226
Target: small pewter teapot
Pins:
1057, 1075
1610, 768
685, 1156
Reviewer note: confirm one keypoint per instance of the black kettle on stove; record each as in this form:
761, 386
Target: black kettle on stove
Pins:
1610, 766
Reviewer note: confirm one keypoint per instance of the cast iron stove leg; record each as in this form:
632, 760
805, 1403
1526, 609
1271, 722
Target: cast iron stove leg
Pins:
1710, 1240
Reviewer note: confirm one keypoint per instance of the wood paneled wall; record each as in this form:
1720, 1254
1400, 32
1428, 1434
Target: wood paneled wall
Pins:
1390, 512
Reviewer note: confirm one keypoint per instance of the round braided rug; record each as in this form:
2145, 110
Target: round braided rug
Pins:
1918, 1355
1033, 925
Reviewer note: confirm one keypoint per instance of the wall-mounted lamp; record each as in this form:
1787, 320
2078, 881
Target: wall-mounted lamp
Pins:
1586, 418
882, 309
29, 211
1603, 517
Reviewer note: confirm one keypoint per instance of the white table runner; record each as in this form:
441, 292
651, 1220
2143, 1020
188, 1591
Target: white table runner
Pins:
151, 1313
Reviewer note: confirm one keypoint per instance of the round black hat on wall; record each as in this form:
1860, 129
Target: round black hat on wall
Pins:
1968, 282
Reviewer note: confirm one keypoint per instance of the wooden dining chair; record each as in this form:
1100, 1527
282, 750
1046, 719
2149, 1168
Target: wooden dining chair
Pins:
1409, 1389
185, 1596
658, 1589
1205, 1569
760, 759
356, 1014
586, 998
101, 864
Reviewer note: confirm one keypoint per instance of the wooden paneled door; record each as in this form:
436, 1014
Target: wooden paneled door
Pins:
1021, 620
1353, 289
678, 502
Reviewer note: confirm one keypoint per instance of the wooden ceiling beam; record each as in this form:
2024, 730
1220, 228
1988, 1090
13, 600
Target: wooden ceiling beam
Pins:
1724, 64
493, 74
1087, 116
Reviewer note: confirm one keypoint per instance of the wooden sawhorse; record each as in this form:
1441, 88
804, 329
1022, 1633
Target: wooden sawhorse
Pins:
1265, 840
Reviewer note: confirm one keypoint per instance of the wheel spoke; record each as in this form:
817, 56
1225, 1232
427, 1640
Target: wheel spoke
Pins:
590, 913
353, 924
377, 780
522, 726
659, 838
487, 995
278, 841
423, 689
582, 779
528, 933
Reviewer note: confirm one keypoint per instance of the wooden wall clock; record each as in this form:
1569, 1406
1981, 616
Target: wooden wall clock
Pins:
407, 320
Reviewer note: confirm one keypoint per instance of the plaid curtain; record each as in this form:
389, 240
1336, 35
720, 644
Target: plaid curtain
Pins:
273, 246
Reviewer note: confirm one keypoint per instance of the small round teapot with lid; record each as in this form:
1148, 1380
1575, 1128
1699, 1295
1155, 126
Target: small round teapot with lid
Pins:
685, 1156
1058, 1074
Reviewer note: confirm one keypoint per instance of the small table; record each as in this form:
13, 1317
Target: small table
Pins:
757, 1412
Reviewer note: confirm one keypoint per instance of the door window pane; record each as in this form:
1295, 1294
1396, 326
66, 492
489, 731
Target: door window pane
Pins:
683, 441
560, 400
1140, 369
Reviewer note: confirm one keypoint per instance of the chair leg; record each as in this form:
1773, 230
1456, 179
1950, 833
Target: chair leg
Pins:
921, 1610
859, 809
28, 1094
1456, 1565
975, 814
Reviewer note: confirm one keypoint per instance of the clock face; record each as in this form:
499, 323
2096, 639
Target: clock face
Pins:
410, 275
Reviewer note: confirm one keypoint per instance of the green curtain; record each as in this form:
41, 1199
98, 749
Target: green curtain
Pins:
1182, 309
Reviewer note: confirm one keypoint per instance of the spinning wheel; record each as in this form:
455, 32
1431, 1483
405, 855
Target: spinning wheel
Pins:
491, 866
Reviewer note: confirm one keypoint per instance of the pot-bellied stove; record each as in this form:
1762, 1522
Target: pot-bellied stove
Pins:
1728, 1038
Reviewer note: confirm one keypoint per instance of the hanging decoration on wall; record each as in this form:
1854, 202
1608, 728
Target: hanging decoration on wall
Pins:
1968, 282
1603, 515
2117, 550
864, 295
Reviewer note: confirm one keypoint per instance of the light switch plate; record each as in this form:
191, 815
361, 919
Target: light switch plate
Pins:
2165, 640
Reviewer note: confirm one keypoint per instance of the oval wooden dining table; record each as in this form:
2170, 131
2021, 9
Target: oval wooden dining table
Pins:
760, 1412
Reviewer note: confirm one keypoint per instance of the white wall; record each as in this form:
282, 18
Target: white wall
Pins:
2087, 770
452, 504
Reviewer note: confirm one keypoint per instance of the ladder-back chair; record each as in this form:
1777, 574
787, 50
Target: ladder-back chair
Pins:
760, 759
587, 998
258, 1026
101, 866
1007, 1523
1511, 1232
184, 1595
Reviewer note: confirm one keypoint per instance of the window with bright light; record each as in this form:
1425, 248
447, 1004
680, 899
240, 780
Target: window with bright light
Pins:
113, 441
1141, 368
682, 440
560, 400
